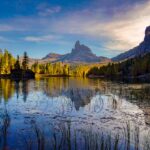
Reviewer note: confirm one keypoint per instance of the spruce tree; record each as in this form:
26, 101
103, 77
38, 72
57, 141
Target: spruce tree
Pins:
17, 64
25, 61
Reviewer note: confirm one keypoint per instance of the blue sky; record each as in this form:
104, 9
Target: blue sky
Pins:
43, 26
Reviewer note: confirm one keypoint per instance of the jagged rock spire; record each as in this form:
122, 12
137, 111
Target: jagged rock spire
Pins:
147, 34
147, 31
140, 50
77, 44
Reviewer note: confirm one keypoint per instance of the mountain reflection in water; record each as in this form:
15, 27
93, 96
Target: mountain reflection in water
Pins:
74, 113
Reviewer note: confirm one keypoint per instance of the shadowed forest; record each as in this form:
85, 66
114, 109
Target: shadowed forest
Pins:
138, 67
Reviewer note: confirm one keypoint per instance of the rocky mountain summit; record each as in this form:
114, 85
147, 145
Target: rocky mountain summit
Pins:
141, 49
79, 54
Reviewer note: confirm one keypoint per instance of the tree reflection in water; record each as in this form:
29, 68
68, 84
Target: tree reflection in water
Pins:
4, 125
62, 136
63, 113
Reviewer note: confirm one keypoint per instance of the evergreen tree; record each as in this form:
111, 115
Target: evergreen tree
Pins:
17, 64
25, 61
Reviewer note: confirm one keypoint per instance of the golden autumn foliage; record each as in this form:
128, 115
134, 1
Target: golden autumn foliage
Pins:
8, 89
62, 69
7, 62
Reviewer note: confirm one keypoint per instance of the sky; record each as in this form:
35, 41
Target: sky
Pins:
39, 27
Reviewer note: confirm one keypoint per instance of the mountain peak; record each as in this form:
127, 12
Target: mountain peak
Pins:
80, 48
147, 31
77, 44
80, 53
141, 49
147, 34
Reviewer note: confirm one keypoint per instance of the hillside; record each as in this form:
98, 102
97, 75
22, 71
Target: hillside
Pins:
81, 53
137, 68
141, 49
52, 56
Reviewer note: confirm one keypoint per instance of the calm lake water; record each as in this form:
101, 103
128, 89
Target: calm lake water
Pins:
74, 114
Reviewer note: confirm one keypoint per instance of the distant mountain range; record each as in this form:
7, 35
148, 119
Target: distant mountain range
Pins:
142, 49
83, 54
52, 56
79, 54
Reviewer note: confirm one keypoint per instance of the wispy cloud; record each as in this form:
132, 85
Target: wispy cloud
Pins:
119, 32
45, 38
4, 39
127, 30
4, 28
123, 30
46, 10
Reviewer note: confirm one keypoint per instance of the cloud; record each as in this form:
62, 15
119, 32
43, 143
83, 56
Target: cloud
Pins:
119, 31
4, 27
128, 29
122, 31
3, 39
46, 10
45, 38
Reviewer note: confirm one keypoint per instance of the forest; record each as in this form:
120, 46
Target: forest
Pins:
9, 64
134, 67
129, 68
61, 69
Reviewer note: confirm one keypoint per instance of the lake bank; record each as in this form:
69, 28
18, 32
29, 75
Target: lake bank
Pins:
19, 74
31, 75
139, 79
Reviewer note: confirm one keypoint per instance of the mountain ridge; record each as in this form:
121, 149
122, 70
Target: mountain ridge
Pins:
52, 55
142, 49
80, 53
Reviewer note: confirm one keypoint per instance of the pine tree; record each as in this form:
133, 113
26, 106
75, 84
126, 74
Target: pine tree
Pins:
17, 64
25, 61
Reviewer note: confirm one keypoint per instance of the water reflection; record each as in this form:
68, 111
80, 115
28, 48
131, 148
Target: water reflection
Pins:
7, 89
4, 123
70, 113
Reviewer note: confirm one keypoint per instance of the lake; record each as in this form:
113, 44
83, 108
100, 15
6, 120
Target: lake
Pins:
74, 114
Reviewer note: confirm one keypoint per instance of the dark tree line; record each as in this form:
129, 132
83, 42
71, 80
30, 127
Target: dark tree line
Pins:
130, 68
24, 65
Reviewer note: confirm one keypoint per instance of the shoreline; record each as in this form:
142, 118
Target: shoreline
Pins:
47, 75
141, 78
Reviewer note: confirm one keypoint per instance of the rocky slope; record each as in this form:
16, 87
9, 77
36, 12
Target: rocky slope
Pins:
80, 54
53, 56
141, 49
